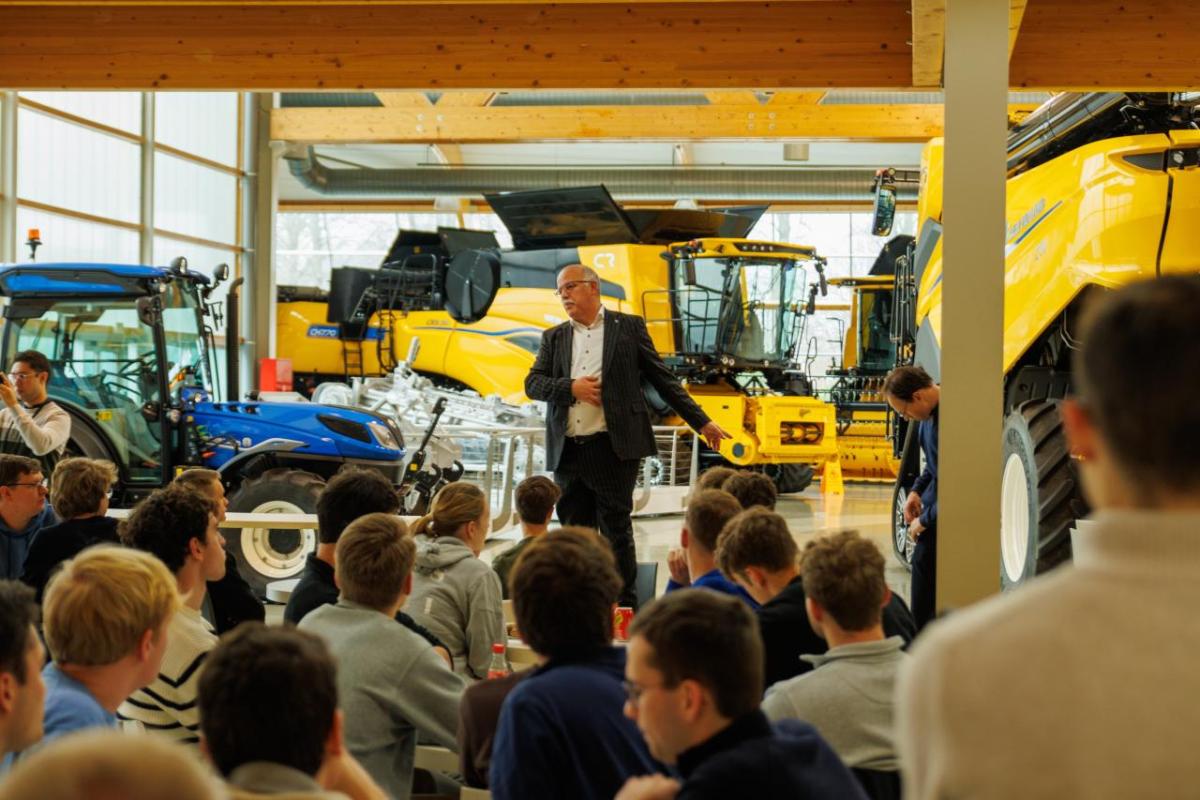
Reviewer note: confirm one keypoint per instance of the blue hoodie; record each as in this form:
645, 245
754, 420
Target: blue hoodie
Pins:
14, 545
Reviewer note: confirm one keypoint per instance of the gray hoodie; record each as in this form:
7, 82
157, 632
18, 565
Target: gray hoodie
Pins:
391, 686
458, 597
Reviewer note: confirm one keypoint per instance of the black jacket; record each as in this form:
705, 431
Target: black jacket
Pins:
53, 545
629, 357
750, 759
317, 588
787, 633
233, 601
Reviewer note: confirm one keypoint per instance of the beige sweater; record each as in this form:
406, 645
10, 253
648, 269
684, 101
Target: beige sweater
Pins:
1083, 684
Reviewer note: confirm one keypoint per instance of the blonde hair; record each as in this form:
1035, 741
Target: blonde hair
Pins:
97, 764
79, 485
454, 506
101, 602
374, 556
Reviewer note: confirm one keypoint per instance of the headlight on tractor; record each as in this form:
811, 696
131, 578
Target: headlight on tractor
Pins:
383, 435
800, 433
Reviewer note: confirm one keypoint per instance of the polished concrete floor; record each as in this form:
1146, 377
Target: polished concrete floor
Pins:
864, 508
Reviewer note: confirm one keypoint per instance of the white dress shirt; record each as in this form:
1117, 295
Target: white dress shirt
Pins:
587, 355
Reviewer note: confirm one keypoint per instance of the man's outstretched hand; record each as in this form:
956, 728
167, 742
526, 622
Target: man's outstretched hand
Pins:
713, 434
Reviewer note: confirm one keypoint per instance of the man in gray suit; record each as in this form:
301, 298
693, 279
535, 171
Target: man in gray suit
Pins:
589, 371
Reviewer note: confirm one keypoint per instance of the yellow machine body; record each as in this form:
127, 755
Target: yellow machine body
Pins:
494, 355
1098, 216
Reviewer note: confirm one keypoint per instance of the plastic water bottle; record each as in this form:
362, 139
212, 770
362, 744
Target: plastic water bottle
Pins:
499, 666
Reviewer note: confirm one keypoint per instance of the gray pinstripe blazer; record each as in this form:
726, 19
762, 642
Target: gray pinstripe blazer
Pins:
629, 356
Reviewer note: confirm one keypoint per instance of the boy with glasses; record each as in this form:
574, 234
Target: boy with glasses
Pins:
23, 511
31, 424
694, 683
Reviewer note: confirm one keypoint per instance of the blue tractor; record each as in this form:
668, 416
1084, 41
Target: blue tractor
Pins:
133, 362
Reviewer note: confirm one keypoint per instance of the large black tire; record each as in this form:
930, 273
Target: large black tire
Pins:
790, 478
1040, 491
902, 546
271, 554
910, 468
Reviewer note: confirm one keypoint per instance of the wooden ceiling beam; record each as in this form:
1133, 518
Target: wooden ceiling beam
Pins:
732, 98
720, 45
404, 99
928, 42
794, 98
1141, 45
881, 123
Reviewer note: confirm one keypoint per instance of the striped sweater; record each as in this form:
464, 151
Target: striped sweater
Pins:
167, 707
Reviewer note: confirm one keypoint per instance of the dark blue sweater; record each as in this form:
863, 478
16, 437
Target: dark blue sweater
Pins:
926, 483
563, 734
750, 759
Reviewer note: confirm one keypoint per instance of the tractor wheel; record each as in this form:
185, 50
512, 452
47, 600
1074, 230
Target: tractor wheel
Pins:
1040, 493
902, 546
790, 478
271, 554
912, 461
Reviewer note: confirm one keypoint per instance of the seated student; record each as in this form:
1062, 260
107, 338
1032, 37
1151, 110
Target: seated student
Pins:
713, 478
454, 594
23, 511
22, 691
392, 685
848, 697
694, 686
179, 527
561, 731
478, 716
758, 552
79, 494
752, 489
352, 493
706, 514
535, 498
262, 740
229, 601
106, 618
107, 765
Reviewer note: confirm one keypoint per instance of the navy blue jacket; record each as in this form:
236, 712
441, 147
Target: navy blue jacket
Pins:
750, 759
926, 483
563, 734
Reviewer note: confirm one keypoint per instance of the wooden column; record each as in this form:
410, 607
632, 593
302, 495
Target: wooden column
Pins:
976, 81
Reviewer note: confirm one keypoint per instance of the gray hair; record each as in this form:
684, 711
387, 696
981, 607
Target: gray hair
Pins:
589, 274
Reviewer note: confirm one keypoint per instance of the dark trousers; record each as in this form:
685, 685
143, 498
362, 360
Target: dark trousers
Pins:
924, 578
597, 492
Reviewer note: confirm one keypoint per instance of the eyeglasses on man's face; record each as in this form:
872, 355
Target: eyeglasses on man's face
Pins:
20, 376
570, 286
42, 484
634, 692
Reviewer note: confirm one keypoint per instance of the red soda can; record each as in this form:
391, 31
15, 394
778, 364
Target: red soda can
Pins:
622, 616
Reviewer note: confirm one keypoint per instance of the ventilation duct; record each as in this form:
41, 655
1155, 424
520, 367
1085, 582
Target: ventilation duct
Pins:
786, 184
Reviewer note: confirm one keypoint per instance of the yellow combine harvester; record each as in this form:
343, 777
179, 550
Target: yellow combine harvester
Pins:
725, 313
865, 433
1103, 190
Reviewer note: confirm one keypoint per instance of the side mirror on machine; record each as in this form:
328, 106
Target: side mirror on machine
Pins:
472, 280
884, 211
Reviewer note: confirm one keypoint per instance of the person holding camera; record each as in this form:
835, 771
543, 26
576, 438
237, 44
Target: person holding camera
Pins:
31, 424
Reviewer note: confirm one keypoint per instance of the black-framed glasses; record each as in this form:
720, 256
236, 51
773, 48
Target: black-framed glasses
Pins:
634, 693
43, 483
569, 287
